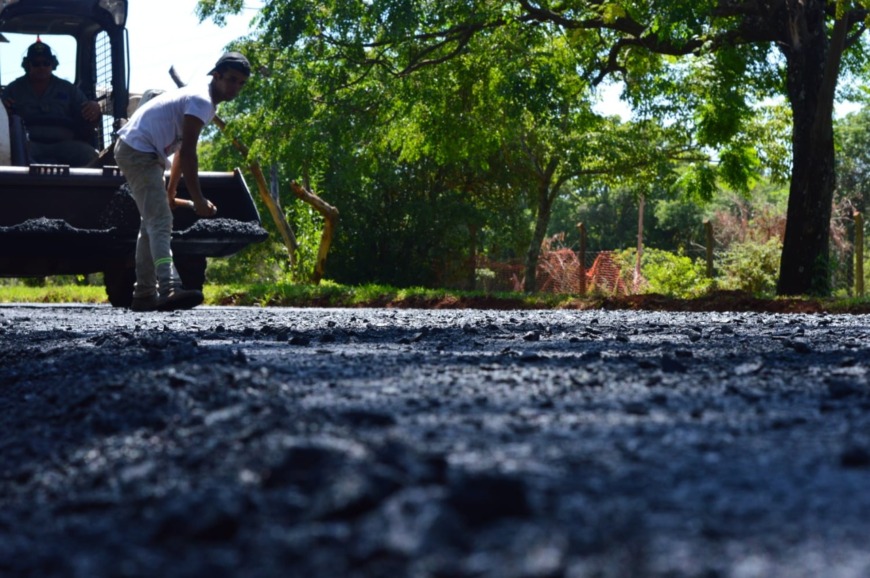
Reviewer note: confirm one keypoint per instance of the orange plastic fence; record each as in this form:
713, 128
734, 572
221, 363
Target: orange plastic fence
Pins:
558, 272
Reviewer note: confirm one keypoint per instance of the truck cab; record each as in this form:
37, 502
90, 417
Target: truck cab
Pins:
62, 220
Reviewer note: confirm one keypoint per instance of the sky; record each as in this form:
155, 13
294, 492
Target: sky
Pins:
166, 33
162, 33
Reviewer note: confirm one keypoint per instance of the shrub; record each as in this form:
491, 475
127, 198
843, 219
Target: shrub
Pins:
265, 262
751, 266
666, 273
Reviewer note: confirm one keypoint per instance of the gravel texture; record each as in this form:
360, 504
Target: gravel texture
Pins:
45, 226
121, 212
206, 228
121, 217
457, 443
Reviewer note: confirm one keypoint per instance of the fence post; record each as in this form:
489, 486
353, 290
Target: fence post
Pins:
708, 228
859, 253
581, 228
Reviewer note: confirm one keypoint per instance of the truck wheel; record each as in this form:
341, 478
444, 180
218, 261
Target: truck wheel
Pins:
191, 268
119, 282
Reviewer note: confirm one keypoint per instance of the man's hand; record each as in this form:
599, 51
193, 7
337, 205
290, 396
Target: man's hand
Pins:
175, 202
204, 207
91, 111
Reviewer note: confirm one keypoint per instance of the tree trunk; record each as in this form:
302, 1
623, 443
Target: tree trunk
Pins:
804, 266
471, 279
545, 209
638, 278
813, 67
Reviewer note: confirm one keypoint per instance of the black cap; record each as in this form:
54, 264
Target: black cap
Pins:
234, 60
39, 48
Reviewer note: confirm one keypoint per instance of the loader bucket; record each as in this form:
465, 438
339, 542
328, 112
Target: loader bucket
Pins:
55, 220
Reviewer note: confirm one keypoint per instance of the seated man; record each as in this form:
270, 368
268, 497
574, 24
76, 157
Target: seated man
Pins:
53, 109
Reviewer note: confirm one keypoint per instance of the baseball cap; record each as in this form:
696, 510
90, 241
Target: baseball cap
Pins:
39, 48
234, 60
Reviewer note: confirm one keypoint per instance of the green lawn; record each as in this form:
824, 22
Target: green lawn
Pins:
290, 295
329, 294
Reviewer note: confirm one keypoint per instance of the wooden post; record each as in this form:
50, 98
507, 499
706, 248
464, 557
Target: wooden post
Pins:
708, 228
581, 228
859, 253
330, 220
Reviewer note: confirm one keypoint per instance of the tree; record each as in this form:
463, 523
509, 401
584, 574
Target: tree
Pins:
748, 47
551, 134
736, 37
853, 183
812, 38
853, 159
508, 115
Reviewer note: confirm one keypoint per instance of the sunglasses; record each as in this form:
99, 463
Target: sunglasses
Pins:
40, 63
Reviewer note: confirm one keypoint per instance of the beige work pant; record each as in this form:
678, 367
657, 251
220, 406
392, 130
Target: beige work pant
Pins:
155, 271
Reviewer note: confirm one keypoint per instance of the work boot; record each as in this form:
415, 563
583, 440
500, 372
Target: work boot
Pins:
177, 298
147, 303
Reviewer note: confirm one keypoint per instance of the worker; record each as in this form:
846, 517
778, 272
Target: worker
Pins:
56, 113
171, 124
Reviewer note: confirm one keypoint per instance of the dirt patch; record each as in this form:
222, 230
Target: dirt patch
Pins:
460, 302
720, 301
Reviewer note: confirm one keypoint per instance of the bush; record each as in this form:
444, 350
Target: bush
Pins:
666, 273
265, 262
751, 267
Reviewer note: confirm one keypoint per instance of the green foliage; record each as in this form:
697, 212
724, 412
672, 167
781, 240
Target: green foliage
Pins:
57, 292
756, 217
260, 263
678, 225
699, 181
331, 294
852, 194
666, 273
739, 165
428, 168
92, 279
447, 130
853, 158
610, 215
751, 266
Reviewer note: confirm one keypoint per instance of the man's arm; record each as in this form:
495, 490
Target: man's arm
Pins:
172, 186
89, 109
189, 163
9, 95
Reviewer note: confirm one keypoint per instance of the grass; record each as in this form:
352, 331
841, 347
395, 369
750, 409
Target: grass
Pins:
326, 294
52, 294
329, 294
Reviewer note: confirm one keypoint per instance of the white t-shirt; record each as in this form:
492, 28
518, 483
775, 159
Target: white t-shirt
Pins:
156, 127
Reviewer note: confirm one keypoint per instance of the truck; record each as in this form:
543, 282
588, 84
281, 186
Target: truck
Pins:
62, 220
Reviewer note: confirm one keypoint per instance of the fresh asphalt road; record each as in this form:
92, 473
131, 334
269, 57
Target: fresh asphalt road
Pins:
269, 442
